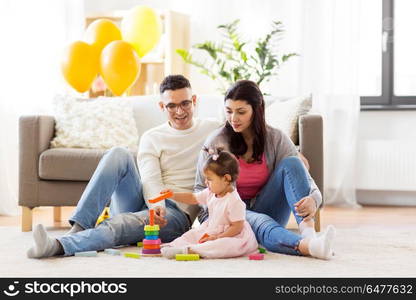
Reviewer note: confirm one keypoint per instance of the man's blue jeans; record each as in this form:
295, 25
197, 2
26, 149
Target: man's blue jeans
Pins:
117, 179
270, 212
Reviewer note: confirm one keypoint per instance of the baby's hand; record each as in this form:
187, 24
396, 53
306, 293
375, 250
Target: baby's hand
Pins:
207, 238
212, 238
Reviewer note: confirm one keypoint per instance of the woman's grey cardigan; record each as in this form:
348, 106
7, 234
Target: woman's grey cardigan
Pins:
278, 146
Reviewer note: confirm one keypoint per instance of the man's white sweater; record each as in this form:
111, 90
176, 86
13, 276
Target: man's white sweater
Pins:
167, 159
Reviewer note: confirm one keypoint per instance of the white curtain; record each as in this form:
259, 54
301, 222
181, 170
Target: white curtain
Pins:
34, 33
329, 69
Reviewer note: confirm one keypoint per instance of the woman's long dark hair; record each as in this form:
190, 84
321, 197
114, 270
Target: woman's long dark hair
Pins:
248, 91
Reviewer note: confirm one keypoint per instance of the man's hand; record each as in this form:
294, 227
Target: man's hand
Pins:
306, 208
165, 191
160, 213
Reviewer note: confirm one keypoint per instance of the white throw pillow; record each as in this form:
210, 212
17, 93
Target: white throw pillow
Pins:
94, 123
285, 114
147, 113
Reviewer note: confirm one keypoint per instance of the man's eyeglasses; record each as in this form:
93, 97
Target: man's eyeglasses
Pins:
173, 107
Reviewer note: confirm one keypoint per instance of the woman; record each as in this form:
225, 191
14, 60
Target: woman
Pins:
273, 180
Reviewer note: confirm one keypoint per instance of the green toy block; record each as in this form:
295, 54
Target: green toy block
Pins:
187, 257
262, 250
132, 255
149, 232
139, 244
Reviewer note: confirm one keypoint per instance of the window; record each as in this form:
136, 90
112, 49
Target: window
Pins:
388, 69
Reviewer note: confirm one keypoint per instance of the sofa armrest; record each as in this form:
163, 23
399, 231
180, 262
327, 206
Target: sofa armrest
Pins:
35, 134
311, 146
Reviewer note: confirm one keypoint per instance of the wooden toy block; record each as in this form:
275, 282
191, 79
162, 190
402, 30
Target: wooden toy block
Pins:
262, 250
112, 251
152, 242
132, 255
184, 257
151, 251
151, 217
147, 232
86, 253
139, 244
151, 228
161, 197
204, 236
256, 256
152, 255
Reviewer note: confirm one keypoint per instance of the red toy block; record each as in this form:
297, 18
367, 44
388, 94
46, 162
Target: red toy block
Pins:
256, 256
161, 197
151, 246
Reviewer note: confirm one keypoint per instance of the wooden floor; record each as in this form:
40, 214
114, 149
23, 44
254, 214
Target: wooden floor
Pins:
380, 216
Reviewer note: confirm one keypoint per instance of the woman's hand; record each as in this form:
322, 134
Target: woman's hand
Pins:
306, 208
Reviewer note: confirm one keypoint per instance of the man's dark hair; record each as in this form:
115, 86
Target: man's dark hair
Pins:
174, 82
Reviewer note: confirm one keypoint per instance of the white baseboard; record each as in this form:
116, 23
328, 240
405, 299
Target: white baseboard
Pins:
394, 198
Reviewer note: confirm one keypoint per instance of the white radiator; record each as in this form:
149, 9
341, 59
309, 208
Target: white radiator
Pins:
386, 165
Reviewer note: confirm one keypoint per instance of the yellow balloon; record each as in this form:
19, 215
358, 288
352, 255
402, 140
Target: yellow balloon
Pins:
79, 65
100, 33
119, 66
142, 28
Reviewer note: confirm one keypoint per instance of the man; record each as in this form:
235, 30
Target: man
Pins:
166, 159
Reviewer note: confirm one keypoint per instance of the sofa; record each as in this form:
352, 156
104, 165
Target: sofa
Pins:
57, 176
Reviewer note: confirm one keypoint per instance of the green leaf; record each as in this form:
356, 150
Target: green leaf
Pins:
229, 60
209, 47
287, 56
184, 54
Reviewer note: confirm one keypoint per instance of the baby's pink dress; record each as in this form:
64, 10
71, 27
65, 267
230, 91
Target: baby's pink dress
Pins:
222, 211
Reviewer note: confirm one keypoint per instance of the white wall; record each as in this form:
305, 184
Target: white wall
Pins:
389, 125
396, 131
256, 19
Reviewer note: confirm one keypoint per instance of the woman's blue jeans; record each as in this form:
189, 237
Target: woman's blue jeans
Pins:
270, 212
117, 179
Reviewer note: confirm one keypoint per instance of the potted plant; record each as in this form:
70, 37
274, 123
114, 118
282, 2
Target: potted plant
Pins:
233, 59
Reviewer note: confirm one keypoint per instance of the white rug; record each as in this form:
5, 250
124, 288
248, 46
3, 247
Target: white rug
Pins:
367, 252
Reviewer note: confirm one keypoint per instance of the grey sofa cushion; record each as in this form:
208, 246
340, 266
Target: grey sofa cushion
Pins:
71, 164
